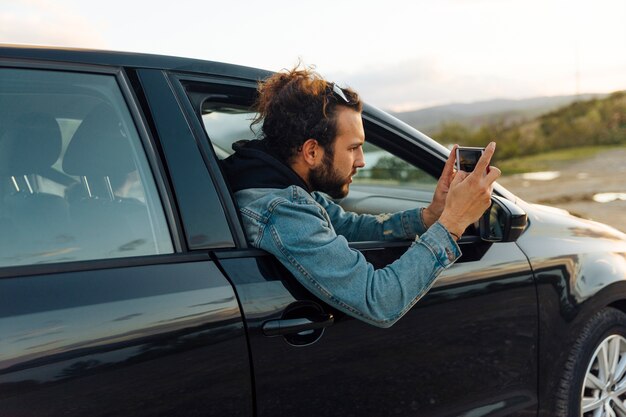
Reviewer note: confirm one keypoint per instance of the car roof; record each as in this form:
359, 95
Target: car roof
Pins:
130, 59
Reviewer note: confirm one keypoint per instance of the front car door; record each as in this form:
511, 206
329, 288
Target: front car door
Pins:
469, 347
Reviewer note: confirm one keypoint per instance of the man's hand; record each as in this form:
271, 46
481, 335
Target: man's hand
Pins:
469, 194
431, 213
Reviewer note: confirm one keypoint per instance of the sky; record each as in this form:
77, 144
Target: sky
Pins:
399, 55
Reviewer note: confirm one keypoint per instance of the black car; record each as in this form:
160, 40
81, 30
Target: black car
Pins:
127, 287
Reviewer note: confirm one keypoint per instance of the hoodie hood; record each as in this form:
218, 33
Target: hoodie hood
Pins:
254, 166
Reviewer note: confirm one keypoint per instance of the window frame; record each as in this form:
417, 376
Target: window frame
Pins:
392, 135
153, 161
181, 85
415, 148
385, 136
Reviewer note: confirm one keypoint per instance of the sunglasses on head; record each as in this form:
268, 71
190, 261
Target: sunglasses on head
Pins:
338, 92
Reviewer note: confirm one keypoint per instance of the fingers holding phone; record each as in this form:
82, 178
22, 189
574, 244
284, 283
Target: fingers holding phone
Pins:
470, 191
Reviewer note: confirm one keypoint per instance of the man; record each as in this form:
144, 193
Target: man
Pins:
312, 144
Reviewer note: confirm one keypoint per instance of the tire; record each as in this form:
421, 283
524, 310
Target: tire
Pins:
588, 386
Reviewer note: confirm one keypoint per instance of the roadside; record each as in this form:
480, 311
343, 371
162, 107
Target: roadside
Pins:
579, 186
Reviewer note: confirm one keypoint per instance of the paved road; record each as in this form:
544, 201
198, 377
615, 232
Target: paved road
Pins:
577, 184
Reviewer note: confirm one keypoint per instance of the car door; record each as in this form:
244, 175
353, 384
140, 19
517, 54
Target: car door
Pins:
110, 303
469, 347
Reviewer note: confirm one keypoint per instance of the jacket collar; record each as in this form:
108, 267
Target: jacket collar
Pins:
253, 165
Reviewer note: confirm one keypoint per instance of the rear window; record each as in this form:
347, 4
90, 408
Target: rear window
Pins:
74, 179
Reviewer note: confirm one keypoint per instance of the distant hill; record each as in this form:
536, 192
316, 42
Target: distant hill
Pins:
474, 115
592, 122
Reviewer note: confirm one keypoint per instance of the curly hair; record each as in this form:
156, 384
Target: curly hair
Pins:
297, 105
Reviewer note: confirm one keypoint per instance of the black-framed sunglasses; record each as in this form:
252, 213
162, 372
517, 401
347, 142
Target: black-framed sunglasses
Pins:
338, 92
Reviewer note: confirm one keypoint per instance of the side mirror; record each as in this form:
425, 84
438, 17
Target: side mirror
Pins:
503, 222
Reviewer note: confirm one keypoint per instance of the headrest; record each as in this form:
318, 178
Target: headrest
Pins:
30, 145
100, 147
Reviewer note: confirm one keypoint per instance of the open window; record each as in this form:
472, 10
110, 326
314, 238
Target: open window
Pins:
398, 175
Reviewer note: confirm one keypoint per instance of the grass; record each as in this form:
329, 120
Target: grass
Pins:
550, 161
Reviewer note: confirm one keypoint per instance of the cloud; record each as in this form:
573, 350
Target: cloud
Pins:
42, 22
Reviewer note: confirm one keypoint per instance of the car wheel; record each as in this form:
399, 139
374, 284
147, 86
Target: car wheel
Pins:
594, 378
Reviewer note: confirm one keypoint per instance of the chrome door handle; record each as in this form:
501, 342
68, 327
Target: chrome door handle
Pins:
297, 325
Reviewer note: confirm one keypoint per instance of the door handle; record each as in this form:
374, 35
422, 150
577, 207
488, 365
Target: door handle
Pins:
297, 325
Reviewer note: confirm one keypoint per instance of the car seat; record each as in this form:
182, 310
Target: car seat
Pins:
101, 155
34, 222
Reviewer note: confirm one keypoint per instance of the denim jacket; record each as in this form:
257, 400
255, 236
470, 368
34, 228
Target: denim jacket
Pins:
309, 234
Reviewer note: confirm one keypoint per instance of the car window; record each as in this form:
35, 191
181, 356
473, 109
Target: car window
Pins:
74, 180
227, 124
383, 171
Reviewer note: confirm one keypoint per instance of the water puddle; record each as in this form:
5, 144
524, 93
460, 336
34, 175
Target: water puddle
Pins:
541, 176
608, 197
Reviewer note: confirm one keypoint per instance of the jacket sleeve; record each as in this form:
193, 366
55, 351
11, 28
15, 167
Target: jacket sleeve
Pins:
404, 225
300, 236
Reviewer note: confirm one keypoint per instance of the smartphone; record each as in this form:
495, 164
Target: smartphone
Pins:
467, 158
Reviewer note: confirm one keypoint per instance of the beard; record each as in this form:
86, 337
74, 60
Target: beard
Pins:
326, 179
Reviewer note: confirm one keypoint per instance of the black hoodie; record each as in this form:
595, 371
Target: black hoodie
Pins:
254, 166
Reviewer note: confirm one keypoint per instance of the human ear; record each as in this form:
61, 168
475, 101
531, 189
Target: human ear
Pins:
311, 152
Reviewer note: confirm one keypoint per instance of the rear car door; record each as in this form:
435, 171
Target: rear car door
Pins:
110, 303
469, 347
